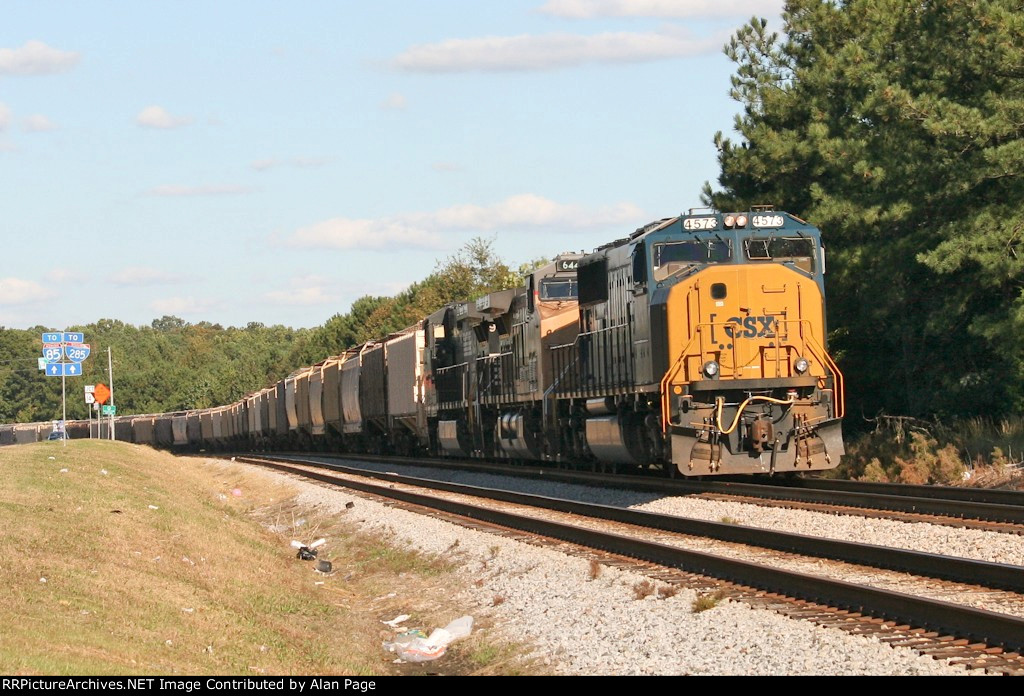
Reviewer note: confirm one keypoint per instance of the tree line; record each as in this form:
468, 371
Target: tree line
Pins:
174, 365
895, 127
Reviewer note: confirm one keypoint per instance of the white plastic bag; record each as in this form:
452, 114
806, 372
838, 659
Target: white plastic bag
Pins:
412, 646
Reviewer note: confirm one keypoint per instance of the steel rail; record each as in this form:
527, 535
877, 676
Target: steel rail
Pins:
990, 627
931, 505
965, 570
977, 495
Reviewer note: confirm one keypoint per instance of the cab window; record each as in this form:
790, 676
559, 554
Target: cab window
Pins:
672, 258
558, 289
796, 250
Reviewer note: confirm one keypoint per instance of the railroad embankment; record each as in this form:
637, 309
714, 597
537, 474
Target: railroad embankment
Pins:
118, 559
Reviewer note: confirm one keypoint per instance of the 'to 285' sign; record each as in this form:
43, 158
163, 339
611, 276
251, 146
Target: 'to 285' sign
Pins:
77, 352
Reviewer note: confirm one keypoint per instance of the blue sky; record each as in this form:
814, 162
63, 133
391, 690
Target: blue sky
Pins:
256, 161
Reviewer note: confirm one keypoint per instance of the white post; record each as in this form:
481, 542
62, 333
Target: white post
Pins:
110, 374
64, 407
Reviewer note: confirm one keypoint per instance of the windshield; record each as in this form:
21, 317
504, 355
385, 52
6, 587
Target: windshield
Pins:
671, 258
798, 250
558, 289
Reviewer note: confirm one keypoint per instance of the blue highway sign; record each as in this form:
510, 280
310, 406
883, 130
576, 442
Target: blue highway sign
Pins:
52, 353
63, 370
77, 352
52, 338
74, 337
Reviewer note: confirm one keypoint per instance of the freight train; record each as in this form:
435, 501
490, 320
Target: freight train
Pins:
697, 345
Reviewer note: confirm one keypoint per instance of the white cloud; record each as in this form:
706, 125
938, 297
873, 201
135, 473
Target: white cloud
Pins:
144, 275
703, 9
301, 295
5, 117
37, 123
66, 275
528, 210
550, 51
179, 306
206, 190
445, 167
345, 233
425, 230
300, 162
35, 58
158, 117
15, 291
265, 164
394, 102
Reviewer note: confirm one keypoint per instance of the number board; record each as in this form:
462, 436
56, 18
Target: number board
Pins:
701, 223
768, 221
566, 265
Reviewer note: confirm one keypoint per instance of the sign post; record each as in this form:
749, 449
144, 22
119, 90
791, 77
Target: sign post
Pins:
101, 393
90, 399
56, 347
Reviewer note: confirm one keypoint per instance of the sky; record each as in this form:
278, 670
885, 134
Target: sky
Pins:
270, 162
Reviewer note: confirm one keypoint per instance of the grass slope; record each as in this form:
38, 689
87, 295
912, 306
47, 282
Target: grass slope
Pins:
118, 559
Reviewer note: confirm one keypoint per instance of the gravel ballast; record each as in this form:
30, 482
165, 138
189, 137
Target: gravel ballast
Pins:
991, 546
579, 625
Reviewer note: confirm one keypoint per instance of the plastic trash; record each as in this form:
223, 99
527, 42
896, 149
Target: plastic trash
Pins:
414, 646
393, 623
307, 553
324, 566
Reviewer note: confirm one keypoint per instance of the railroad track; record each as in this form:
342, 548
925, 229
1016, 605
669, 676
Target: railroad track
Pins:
975, 637
989, 510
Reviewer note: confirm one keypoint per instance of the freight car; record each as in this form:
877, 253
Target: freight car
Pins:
696, 345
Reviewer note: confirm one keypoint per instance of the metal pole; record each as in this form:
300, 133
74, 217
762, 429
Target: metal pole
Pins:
63, 399
64, 407
110, 374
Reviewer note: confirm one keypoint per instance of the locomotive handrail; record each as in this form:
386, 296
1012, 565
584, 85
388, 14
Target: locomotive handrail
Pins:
587, 333
484, 388
545, 400
817, 351
840, 395
666, 403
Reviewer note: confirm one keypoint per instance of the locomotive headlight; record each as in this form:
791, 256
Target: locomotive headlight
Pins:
710, 369
801, 365
729, 220
741, 220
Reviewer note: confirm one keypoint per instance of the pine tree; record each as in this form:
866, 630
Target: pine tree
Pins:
896, 127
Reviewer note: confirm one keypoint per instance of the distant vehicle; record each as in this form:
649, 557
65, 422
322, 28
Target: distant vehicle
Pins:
58, 436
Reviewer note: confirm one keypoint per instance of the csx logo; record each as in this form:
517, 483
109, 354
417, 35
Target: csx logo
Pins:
750, 327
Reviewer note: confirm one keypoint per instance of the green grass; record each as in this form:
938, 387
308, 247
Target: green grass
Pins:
197, 585
706, 601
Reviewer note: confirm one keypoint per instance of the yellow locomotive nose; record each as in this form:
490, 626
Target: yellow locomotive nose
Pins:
774, 399
753, 321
